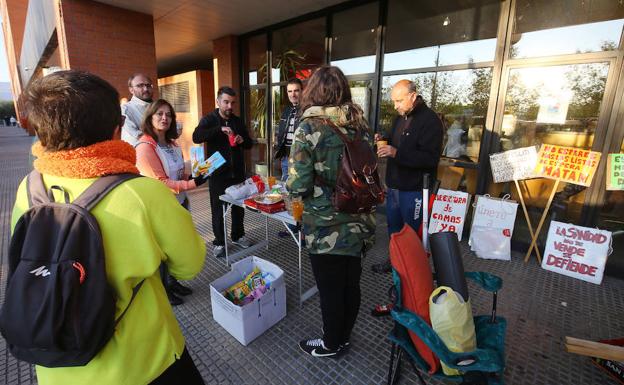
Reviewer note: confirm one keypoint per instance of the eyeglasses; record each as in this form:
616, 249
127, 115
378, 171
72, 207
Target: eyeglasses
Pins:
143, 85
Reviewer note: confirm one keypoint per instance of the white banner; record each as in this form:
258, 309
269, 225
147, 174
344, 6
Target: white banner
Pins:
576, 251
449, 212
492, 227
515, 164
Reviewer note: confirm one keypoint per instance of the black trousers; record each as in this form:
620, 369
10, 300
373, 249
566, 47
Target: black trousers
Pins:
182, 371
216, 187
338, 282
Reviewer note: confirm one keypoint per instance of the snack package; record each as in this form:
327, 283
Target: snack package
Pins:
237, 292
197, 157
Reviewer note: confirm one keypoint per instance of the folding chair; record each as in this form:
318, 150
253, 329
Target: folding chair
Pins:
482, 366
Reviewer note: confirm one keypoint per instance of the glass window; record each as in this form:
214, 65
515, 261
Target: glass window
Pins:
255, 60
461, 98
432, 33
354, 39
556, 105
612, 218
298, 49
545, 27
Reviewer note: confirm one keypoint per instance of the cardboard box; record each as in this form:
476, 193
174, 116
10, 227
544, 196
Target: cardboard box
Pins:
246, 323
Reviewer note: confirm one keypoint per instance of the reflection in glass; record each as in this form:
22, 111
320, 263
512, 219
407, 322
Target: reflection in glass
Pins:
298, 49
255, 59
545, 27
354, 39
361, 92
257, 113
556, 105
426, 34
460, 97
612, 218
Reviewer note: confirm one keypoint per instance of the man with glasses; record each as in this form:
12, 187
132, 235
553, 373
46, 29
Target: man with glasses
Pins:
142, 90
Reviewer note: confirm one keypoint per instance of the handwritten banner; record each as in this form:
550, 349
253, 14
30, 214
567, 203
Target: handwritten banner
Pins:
615, 172
448, 212
568, 164
515, 164
576, 251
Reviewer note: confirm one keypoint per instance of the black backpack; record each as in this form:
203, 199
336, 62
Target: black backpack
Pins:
357, 188
59, 309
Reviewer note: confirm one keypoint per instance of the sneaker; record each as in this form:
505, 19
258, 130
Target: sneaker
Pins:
316, 348
242, 242
219, 251
384, 267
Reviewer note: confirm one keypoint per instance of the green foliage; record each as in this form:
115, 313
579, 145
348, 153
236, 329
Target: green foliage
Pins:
7, 108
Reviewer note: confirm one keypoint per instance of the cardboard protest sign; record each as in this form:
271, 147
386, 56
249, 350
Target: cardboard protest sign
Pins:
568, 164
576, 251
515, 164
492, 226
449, 212
615, 172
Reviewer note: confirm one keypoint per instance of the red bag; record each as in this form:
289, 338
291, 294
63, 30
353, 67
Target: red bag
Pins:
410, 260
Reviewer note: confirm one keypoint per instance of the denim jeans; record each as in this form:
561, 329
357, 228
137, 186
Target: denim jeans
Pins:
401, 209
284, 164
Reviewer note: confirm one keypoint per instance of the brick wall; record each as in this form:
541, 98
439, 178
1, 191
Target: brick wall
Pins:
108, 41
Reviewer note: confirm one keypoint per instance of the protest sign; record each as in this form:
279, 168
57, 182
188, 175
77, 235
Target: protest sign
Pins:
449, 212
492, 227
615, 172
576, 251
568, 164
515, 164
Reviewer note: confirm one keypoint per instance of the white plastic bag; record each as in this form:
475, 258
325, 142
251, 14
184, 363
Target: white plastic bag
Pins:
492, 227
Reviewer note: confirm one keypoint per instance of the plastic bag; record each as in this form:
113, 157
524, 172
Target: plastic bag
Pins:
249, 187
491, 243
451, 318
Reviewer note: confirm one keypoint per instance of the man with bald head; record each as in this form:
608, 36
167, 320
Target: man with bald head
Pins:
413, 150
142, 91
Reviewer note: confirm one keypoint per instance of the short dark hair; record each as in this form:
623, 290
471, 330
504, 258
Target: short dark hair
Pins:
295, 81
71, 109
148, 128
134, 75
225, 90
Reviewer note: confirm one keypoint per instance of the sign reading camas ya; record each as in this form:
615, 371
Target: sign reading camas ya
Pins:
515, 164
576, 251
448, 212
568, 164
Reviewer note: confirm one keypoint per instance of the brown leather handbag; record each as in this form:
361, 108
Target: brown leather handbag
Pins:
357, 188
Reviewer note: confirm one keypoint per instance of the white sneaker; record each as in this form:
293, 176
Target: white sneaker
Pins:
219, 251
242, 242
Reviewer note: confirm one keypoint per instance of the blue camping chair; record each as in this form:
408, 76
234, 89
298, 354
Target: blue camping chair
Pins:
482, 366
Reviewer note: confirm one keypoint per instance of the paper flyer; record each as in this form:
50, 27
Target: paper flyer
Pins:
200, 166
197, 157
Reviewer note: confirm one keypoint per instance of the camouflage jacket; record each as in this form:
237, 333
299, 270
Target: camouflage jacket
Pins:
317, 150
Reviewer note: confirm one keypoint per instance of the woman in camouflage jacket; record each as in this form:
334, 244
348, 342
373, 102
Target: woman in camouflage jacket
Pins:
335, 240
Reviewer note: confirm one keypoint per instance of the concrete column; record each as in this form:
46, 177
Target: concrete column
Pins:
225, 63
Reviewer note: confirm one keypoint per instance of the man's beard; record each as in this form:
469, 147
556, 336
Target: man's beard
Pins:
147, 100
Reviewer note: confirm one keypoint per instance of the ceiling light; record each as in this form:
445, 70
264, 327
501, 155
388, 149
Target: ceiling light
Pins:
446, 21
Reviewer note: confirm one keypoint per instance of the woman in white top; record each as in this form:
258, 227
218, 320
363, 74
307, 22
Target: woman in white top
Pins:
160, 157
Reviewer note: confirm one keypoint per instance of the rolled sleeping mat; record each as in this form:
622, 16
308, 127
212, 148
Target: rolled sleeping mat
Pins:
447, 262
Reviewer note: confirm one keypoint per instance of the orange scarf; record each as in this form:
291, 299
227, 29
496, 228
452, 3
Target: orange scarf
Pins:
103, 158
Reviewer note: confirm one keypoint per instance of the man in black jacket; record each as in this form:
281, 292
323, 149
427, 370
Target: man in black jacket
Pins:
413, 150
225, 132
287, 125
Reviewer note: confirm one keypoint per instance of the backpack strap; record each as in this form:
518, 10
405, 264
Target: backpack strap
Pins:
98, 189
135, 291
35, 189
